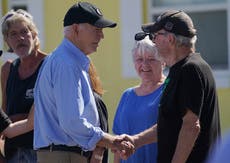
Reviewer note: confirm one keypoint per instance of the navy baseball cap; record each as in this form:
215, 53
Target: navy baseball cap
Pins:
84, 12
177, 22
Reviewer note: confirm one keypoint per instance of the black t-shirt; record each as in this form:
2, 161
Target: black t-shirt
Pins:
190, 84
4, 121
19, 100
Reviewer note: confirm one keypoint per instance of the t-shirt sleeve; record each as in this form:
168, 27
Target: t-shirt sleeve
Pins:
4, 121
191, 90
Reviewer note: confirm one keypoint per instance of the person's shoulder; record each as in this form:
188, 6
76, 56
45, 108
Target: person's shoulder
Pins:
195, 60
128, 90
6, 66
42, 54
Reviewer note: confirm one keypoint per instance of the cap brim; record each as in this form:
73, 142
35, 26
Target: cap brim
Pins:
103, 23
150, 27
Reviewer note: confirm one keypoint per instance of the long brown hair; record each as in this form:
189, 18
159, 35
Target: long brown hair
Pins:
95, 80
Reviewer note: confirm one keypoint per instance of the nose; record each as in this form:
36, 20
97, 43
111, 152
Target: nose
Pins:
18, 36
101, 34
145, 62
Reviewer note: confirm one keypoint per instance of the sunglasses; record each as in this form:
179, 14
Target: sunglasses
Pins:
17, 12
1, 53
141, 35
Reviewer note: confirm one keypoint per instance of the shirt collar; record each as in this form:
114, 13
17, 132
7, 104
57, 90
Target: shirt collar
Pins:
77, 54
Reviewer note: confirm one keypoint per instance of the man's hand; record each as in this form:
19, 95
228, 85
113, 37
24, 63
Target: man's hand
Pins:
124, 146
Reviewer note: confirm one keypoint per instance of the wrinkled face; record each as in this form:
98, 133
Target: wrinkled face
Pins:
89, 37
147, 66
160, 38
20, 39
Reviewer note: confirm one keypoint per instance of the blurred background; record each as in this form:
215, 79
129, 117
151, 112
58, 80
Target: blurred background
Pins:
113, 59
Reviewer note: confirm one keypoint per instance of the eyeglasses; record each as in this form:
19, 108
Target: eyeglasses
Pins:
22, 33
159, 33
141, 35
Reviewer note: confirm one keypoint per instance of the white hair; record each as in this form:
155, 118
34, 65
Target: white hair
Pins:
145, 45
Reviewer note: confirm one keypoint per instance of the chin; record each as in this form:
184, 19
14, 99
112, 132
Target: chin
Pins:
90, 52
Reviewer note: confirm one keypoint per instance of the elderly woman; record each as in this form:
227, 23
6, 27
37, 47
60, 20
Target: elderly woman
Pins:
138, 107
18, 79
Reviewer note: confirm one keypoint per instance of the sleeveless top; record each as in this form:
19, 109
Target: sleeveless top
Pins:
20, 99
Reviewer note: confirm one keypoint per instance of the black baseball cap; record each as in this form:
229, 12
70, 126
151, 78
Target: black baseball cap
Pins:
84, 12
177, 22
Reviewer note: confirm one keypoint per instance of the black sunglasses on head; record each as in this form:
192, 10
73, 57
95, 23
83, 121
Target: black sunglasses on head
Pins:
141, 35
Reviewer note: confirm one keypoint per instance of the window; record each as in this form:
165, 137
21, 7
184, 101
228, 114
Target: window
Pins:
35, 8
158, 3
211, 19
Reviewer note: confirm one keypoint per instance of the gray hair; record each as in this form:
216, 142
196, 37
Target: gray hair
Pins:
68, 30
185, 41
19, 15
145, 45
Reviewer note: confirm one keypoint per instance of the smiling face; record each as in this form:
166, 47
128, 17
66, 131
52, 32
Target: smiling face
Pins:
20, 39
147, 66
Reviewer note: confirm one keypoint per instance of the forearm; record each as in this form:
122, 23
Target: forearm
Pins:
107, 141
146, 137
97, 155
116, 158
20, 127
188, 134
17, 128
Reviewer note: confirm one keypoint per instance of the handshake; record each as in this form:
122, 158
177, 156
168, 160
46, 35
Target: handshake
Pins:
124, 145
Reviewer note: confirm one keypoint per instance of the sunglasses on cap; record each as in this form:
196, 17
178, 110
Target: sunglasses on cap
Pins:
141, 35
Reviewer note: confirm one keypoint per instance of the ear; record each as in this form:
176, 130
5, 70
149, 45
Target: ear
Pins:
75, 28
172, 39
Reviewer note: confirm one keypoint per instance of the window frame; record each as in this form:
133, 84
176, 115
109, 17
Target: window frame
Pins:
222, 77
34, 8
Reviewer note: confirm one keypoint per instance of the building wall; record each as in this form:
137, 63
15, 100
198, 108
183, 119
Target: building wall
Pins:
109, 59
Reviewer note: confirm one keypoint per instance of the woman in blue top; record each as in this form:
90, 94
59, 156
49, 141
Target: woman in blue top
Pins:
138, 107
